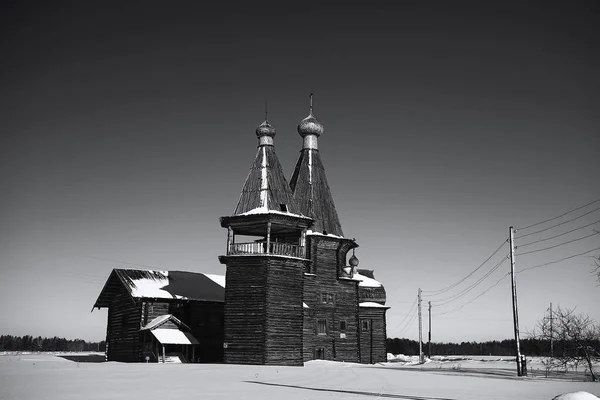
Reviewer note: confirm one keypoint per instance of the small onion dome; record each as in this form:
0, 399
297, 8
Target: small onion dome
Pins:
353, 261
310, 126
265, 129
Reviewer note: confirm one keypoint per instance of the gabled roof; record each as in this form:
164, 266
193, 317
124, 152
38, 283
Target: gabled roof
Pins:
163, 319
312, 193
140, 284
266, 189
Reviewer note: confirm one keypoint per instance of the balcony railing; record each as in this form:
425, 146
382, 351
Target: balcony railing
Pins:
280, 249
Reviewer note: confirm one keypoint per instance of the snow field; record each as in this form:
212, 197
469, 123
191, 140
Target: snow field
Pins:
46, 376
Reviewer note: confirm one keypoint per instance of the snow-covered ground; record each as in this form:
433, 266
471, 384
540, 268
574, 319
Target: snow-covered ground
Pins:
49, 376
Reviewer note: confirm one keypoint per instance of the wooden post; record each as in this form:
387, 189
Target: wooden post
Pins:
429, 341
268, 237
163, 353
511, 233
228, 240
420, 331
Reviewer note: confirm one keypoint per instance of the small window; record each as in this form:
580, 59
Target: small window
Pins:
342, 325
319, 353
365, 325
283, 207
322, 327
327, 298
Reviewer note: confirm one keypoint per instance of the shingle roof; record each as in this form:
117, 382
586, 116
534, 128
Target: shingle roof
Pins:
266, 188
312, 193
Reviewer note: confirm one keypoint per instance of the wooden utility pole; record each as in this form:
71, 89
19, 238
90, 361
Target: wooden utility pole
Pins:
429, 341
551, 333
511, 237
420, 331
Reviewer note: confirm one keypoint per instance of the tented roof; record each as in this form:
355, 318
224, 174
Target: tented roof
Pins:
266, 188
312, 193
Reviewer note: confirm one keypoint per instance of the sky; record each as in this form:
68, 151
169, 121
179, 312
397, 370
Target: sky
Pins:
127, 130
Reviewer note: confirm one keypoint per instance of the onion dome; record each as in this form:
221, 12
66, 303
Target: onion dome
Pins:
353, 261
265, 129
310, 126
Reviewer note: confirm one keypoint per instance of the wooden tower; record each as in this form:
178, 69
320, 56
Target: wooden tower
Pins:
266, 260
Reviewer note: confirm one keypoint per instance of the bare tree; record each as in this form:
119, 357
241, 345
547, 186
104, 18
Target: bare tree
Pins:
576, 339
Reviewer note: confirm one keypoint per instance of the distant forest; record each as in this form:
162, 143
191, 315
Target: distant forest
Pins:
529, 347
30, 343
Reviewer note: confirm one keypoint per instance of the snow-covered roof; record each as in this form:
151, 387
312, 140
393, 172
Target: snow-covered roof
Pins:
162, 285
174, 336
309, 232
365, 281
156, 321
265, 210
371, 304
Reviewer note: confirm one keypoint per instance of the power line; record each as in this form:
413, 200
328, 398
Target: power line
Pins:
440, 291
559, 235
407, 314
559, 224
559, 216
557, 261
473, 286
475, 298
409, 323
558, 245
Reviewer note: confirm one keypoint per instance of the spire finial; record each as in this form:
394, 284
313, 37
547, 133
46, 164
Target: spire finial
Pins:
311, 102
266, 111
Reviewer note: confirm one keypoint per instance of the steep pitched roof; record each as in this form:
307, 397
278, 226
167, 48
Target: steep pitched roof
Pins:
266, 188
162, 285
312, 193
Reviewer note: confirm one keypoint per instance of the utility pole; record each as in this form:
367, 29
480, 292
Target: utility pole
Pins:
429, 341
511, 237
551, 333
420, 331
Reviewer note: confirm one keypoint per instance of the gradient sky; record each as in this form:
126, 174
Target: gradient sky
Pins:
127, 130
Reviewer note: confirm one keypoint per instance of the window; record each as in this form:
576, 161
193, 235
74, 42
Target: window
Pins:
319, 353
365, 324
283, 207
322, 327
327, 298
342, 326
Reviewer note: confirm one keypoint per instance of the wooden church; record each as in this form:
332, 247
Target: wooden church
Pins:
292, 292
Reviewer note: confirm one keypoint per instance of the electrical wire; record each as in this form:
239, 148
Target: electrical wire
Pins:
559, 224
558, 245
472, 300
409, 323
440, 291
473, 286
557, 261
559, 216
559, 235
407, 314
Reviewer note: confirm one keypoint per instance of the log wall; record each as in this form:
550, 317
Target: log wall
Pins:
332, 300
373, 338
263, 310
123, 336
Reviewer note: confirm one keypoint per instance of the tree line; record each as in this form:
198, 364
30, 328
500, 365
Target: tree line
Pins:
30, 343
529, 347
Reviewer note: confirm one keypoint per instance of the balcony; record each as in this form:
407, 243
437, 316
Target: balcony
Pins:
260, 248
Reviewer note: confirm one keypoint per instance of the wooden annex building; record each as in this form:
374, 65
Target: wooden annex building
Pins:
292, 290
